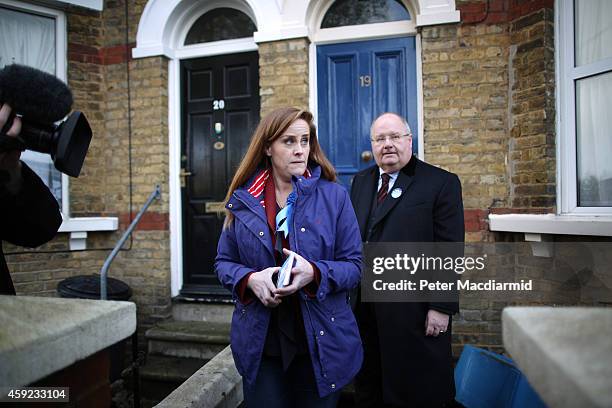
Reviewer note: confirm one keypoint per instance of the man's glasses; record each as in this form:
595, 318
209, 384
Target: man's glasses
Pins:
393, 138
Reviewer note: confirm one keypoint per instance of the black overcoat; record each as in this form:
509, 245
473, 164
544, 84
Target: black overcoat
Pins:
416, 370
29, 218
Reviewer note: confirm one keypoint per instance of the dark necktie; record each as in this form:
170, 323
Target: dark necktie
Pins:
384, 188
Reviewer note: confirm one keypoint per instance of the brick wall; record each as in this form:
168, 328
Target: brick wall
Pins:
283, 74
488, 86
532, 125
465, 105
488, 102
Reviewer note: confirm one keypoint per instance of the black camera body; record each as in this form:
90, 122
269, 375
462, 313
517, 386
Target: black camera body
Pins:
41, 100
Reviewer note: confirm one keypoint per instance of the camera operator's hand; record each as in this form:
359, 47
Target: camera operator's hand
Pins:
9, 161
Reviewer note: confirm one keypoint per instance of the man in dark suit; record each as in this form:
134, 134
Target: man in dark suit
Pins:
407, 346
29, 214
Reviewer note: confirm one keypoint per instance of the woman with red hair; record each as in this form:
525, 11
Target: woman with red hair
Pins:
296, 344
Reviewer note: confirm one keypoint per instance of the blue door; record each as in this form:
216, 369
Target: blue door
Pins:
356, 82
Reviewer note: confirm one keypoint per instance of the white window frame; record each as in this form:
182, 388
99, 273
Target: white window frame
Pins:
567, 75
78, 227
60, 62
569, 219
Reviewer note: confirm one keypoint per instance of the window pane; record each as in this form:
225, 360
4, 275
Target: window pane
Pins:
593, 22
354, 12
594, 140
220, 24
43, 166
29, 39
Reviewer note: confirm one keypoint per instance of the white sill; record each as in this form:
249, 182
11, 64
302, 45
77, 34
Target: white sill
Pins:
552, 224
91, 4
78, 228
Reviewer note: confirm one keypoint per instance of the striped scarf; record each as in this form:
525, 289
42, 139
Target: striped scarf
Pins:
257, 187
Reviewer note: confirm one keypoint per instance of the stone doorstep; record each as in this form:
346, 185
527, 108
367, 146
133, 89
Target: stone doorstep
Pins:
190, 331
201, 340
185, 349
160, 375
565, 352
201, 312
170, 369
50, 334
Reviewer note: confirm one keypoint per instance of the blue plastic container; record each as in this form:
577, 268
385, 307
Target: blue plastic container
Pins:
489, 380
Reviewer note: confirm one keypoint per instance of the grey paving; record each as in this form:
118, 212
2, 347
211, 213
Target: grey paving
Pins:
566, 353
39, 335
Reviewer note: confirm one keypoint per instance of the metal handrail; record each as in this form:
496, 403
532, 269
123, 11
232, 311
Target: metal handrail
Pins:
109, 259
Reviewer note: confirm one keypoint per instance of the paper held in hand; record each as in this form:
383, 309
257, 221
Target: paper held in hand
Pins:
284, 275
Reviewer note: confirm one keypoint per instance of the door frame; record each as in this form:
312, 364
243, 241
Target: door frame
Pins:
348, 34
211, 49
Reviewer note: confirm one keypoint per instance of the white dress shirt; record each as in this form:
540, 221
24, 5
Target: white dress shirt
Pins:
391, 180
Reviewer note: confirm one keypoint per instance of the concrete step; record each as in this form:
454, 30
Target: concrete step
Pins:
170, 369
189, 339
202, 312
160, 375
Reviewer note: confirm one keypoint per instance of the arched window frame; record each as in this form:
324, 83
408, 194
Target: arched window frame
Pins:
395, 7
362, 31
237, 13
190, 15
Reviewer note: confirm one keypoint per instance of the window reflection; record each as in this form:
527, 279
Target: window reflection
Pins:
354, 12
593, 141
220, 24
29, 39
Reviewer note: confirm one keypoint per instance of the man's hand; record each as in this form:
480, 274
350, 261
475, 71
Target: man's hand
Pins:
436, 323
302, 274
262, 286
9, 160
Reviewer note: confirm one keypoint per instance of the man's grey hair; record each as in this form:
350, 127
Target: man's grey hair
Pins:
404, 122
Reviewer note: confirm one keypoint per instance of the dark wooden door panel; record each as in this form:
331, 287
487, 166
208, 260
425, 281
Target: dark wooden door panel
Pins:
219, 113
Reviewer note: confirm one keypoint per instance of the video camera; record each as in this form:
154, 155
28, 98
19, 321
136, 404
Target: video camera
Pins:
42, 100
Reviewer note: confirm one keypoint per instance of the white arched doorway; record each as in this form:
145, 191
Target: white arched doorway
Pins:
194, 111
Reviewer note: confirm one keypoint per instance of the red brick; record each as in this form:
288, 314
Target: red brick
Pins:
496, 18
471, 8
520, 8
150, 221
117, 54
82, 48
475, 220
498, 5
511, 210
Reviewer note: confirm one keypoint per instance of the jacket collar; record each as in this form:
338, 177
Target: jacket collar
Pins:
305, 184
252, 192
364, 197
404, 179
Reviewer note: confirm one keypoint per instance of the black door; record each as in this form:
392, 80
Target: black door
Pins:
219, 113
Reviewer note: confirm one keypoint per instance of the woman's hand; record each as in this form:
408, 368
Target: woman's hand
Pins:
302, 274
262, 286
